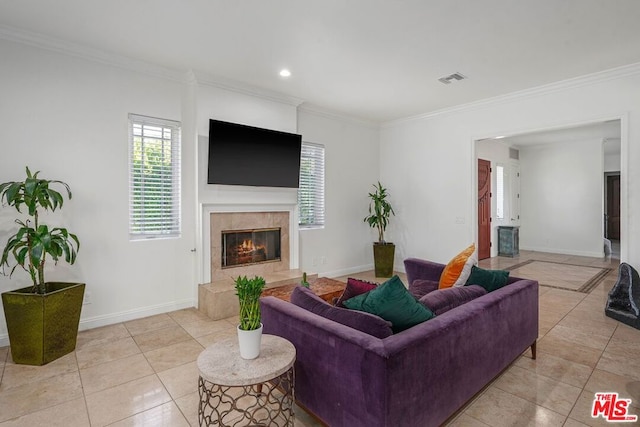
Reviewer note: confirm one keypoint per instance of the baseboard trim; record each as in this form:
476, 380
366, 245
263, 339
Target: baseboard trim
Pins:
399, 267
123, 316
138, 313
564, 251
347, 271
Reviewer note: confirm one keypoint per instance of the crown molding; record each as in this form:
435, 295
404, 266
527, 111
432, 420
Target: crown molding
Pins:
85, 52
131, 64
336, 115
220, 82
576, 82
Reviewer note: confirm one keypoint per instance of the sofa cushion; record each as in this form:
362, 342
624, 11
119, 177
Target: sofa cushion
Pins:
354, 288
457, 271
488, 279
365, 322
393, 302
443, 300
420, 287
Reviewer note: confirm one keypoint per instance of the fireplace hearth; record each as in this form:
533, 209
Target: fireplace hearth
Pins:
248, 247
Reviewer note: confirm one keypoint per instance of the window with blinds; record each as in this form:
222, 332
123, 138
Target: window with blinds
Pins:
154, 178
311, 190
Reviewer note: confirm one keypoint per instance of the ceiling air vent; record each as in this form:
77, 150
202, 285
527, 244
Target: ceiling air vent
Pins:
455, 76
514, 154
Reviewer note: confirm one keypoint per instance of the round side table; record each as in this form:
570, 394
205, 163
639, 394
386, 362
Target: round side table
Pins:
239, 392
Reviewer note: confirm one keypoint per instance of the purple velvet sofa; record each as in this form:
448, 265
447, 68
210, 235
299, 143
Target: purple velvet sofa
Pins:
418, 377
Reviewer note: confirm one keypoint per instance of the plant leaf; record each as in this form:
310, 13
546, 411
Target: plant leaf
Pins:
29, 246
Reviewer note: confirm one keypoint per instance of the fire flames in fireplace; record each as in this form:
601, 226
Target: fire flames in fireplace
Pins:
242, 247
247, 248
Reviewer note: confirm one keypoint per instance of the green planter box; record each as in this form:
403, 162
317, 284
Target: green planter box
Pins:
383, 255
43, 328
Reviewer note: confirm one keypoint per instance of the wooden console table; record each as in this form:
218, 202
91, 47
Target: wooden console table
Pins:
325, 288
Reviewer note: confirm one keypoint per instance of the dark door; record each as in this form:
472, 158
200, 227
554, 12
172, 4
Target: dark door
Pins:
484, 209
613, 207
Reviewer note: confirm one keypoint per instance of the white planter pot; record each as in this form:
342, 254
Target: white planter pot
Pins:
249, 342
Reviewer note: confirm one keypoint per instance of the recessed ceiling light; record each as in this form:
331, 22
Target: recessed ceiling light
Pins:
285, 73
499, 137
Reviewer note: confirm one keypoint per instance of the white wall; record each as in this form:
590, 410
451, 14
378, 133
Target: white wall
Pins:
429, 160
351, 159
611, 155
562, 198
612, 163
427, 167
67, 117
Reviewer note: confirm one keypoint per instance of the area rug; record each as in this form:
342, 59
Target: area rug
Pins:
571, 277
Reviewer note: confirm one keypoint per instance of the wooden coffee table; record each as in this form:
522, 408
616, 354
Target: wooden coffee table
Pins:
325, 288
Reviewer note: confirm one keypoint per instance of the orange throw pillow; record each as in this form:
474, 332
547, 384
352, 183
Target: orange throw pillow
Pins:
458, 270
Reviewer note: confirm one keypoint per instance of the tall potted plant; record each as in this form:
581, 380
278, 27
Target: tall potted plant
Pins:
380, 211
42, 319
250, 327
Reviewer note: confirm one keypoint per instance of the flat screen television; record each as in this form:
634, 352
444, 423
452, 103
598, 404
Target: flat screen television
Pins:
246, 155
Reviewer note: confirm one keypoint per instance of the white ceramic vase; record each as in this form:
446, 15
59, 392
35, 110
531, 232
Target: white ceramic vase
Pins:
249, 342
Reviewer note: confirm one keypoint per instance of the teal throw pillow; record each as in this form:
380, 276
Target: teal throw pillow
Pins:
393, 302
488, 279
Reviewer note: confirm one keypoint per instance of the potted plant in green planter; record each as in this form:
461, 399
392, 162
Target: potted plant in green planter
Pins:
42, 319
380, 211
250, 327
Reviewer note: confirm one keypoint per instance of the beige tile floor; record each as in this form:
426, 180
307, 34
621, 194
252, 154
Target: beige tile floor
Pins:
143, 372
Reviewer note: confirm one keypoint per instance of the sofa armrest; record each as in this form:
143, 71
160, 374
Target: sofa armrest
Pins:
422, 269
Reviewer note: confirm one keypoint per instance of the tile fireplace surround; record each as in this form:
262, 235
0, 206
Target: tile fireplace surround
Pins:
217, 299
242, 221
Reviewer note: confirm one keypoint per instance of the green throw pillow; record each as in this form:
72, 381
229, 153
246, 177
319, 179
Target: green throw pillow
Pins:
393, 302
488, 279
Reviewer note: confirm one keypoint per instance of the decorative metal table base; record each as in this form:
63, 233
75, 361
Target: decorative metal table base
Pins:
266, 404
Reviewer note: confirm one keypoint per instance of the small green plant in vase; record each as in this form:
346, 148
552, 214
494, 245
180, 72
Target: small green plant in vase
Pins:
249, 291
250, 326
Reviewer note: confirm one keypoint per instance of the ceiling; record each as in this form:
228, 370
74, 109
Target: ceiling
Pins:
377, 60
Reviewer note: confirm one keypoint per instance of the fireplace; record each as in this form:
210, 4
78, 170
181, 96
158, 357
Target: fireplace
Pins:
246, 247
277, 256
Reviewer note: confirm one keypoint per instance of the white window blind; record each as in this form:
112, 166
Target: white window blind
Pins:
311, 191
154, 178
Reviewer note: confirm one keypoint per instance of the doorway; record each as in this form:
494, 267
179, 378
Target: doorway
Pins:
547, 140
